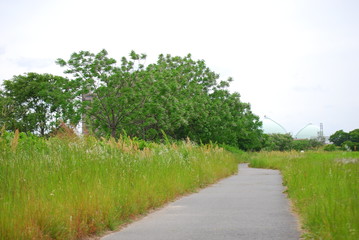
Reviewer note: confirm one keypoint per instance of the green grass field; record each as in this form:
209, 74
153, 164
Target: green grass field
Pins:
70, 189
324, 187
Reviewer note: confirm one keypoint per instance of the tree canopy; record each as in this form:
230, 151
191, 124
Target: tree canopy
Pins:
176, 96
339, 137
346, 140
36, 102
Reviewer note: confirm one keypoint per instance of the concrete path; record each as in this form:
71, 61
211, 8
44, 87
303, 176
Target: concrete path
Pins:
247, 206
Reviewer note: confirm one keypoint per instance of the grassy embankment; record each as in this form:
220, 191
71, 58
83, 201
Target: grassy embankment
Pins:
324, 187
69, 189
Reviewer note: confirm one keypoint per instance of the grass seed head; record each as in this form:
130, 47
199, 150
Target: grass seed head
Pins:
15, 140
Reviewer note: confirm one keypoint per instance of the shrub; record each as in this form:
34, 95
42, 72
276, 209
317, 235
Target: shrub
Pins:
302, 144
278, 142
330, 147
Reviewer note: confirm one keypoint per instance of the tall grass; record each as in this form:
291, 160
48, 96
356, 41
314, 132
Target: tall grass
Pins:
324, 188
72, 188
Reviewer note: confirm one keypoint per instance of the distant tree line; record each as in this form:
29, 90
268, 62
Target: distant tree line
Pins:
344, 140
285, 142
176, 97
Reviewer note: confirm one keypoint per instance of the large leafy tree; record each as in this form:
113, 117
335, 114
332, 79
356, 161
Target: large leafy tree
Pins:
179, 93
176, 95
250, 133
353, 142
7, 112
354, 135
37, 102
346, 140
223, 118
116, 93
339, 137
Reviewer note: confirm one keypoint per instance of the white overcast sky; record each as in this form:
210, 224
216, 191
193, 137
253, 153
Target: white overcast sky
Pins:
296, 61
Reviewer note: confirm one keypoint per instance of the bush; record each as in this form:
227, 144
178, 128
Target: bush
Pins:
330, 147
278, 142
302, 144
231, 149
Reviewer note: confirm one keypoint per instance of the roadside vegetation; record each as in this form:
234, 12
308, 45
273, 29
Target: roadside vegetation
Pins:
176, 95
70, 187
154, 132
324, 187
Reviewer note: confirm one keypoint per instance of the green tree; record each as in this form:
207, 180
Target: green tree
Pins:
306, 144
117, 93
180, 92
176, 95
37, 102
353, 142
349, 145
354, 135
7, 112
339, 137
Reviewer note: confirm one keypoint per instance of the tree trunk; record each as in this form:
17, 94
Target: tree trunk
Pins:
113, 132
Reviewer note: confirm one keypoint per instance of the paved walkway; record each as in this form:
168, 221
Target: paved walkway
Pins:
249, 205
